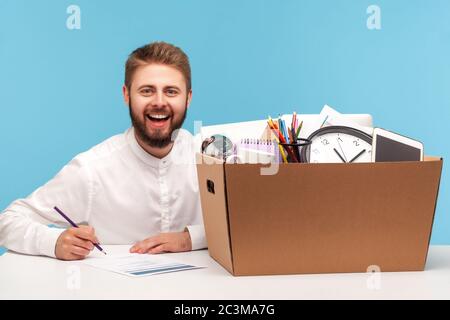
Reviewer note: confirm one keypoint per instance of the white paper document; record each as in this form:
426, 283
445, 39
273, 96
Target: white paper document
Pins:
138, 265
330, 117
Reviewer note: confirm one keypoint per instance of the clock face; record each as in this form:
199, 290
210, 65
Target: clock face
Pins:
334, 145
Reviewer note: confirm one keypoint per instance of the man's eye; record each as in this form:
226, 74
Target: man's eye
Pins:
146, 91
171, 92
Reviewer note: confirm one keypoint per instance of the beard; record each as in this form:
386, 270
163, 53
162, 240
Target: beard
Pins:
157, 139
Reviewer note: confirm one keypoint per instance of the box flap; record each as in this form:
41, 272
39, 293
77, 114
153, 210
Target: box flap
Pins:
441, 160
211, 181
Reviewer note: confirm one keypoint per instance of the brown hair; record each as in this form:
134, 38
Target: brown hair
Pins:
158, 52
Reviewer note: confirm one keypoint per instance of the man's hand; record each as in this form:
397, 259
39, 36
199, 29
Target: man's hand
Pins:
164, 242
75, 243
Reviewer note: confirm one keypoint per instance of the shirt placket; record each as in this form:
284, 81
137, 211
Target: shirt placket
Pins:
164, 200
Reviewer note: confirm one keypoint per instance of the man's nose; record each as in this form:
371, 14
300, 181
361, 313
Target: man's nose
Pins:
159, 99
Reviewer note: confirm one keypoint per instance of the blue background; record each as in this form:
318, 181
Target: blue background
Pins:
60, 89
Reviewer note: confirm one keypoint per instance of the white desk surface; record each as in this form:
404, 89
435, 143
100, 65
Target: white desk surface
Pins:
30, 277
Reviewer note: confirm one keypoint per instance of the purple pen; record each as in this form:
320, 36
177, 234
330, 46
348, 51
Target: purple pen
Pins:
73, 224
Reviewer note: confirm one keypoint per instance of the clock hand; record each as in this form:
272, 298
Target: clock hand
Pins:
341, 149
357, 156
337, 152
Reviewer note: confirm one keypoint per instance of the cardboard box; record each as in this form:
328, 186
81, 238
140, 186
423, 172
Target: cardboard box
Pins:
319, 218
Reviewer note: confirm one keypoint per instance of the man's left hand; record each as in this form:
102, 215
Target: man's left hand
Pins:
164, 242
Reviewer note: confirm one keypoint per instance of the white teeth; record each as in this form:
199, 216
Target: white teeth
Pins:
158, 116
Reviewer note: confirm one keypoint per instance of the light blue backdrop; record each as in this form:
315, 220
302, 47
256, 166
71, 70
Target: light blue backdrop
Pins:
60, 89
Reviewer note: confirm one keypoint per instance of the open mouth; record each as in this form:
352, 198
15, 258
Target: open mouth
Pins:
158, 120
158, 117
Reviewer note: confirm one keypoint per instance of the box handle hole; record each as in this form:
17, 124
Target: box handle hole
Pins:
210, 186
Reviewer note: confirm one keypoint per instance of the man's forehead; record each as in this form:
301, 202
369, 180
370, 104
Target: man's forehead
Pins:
158, 74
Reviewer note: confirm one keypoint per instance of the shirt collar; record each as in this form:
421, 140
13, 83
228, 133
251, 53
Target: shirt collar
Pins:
147, 157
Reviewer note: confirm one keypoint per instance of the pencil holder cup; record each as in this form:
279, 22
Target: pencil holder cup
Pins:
296, 148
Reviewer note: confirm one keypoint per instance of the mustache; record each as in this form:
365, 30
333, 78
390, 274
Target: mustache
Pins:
159, 110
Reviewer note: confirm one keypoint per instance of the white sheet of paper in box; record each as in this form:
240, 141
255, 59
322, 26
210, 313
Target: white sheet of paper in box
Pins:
330, 117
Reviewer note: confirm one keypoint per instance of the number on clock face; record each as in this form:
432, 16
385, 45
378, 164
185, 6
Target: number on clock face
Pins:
339, 147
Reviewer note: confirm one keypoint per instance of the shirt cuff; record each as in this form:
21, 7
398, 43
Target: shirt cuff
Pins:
198, 238
48, 240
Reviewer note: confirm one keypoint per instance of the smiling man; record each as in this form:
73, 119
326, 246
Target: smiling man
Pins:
138, 188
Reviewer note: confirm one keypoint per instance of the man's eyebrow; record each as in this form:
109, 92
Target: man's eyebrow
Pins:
152, 86
172, 87
145, 86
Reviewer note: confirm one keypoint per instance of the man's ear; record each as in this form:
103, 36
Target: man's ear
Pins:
189, 98
126, 95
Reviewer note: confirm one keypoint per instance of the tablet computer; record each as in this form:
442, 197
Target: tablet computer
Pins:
390, 146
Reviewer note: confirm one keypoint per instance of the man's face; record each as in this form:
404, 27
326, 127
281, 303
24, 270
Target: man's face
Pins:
158, 102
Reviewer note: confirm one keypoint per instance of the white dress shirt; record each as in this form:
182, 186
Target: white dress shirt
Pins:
116, 187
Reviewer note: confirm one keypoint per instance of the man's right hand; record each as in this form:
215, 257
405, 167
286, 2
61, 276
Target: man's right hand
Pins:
75, 243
